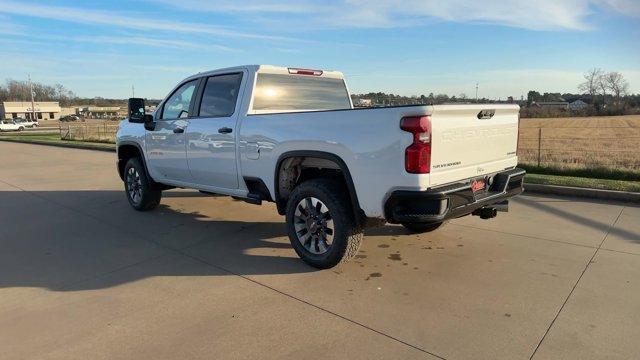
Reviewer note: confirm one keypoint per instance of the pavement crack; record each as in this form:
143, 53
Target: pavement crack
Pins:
576, 283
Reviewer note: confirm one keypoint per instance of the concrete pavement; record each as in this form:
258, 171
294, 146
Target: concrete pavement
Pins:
82, 275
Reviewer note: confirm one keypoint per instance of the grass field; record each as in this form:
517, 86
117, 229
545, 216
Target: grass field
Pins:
54, 139
581, 143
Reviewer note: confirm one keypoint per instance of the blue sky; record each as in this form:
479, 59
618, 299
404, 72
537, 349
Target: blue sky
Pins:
101, 48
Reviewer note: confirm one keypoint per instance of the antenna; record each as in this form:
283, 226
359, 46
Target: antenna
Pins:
133, 91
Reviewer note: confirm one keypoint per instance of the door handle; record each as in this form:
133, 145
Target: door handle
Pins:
225, 130
178, 130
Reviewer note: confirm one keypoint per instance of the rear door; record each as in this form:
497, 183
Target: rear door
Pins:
471, 141
212, 133
166, 145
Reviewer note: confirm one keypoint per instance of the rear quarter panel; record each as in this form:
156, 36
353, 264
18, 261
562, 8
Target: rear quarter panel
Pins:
369, 141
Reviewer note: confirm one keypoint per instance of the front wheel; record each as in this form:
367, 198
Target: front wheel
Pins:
321, 225
141, 193
422, 227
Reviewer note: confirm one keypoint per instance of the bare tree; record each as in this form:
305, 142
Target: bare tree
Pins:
20, 91
592, 82
616, 82
603, 87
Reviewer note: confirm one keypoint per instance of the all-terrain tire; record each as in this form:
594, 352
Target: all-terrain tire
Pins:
142, 195
347, 235
419, 228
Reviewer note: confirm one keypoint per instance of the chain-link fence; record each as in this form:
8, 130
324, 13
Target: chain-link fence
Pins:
580, 147
103, 132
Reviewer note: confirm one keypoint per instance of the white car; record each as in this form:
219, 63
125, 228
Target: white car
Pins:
9, 125
292, 136
25, 123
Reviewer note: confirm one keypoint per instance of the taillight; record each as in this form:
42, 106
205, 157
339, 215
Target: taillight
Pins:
417, 157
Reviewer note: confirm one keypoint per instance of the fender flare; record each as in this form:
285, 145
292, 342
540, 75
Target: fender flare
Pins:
142, 157
355, 204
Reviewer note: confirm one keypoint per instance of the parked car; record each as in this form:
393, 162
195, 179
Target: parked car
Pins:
10, 125
28, 123
23, 122
35, 122
291, 136
68, 118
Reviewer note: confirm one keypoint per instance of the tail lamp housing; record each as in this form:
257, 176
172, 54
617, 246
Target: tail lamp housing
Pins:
417, 157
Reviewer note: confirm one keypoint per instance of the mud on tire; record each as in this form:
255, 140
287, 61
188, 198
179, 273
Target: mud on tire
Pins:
346, 235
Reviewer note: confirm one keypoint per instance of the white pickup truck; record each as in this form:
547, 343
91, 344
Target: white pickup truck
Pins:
291, 136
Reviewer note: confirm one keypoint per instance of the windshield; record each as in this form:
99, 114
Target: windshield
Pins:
282, 92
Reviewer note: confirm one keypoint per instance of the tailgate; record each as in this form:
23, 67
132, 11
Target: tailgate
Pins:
472, 140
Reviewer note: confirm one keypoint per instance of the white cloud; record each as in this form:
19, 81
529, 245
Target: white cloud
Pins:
149, 41
119, 20
300, 6
8, 27
527, 14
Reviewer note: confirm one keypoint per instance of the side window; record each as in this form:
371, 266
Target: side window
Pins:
177, 106
220, 95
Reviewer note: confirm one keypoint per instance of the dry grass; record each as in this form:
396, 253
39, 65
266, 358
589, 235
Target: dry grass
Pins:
592, 142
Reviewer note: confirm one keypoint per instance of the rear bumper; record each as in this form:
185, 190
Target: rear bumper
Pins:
451, 201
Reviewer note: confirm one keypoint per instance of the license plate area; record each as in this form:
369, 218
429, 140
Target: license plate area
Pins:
480, 187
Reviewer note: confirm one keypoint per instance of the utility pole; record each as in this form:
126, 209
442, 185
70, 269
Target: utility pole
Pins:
33, 106
477, 92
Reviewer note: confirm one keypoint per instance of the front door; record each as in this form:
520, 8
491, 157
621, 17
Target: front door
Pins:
166, 143
211, 135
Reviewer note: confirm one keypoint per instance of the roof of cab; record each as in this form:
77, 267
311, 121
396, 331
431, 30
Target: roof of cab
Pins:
266, 69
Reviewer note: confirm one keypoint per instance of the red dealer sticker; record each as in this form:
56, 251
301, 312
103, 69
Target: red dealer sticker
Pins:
478, 185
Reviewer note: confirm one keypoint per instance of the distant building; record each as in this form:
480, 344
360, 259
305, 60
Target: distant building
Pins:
362, 103
99, 112
69, 110
555, 105
578, 105
42, 110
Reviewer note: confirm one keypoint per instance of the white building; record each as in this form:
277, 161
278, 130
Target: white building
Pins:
41, 110
99, 112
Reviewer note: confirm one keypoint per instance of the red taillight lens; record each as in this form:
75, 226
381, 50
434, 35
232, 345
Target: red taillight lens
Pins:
417, 158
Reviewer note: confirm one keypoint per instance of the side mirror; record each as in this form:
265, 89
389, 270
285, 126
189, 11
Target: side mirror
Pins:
136, 110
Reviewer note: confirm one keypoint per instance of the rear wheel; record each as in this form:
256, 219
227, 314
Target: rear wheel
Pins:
422, 227
321, 224
141, 193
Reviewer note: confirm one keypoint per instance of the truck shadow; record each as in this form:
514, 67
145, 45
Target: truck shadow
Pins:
83, 240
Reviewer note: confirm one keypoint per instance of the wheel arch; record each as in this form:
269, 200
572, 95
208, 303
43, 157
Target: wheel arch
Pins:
342, 166
125, 151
